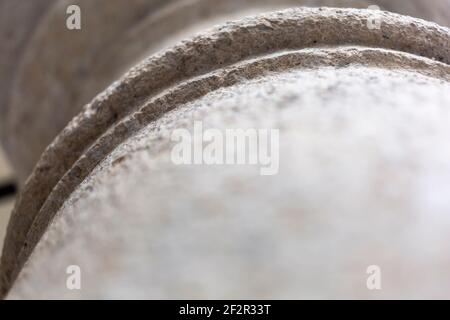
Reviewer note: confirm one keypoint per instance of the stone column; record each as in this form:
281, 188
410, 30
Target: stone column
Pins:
359, 111
50, 73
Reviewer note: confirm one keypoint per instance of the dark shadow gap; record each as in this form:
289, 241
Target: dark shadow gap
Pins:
7, 189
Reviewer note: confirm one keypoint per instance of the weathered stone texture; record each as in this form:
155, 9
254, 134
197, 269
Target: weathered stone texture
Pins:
364, 147
227, 232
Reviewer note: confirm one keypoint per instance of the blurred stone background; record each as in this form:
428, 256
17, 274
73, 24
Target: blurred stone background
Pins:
6, 204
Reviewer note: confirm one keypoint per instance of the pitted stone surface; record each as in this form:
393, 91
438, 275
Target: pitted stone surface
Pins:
367, 146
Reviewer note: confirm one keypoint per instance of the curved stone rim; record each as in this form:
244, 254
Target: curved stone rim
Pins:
85, 142
107, 62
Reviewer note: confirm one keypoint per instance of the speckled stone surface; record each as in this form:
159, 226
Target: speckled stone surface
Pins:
407, 55
362, 137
